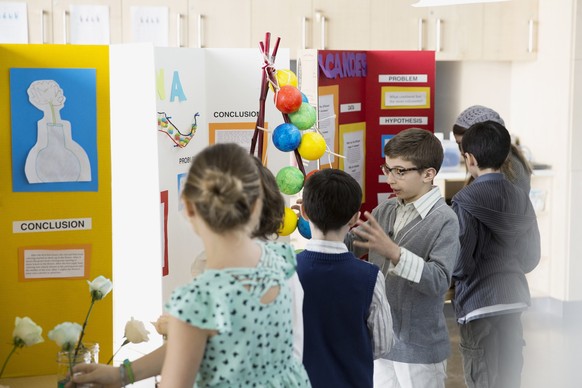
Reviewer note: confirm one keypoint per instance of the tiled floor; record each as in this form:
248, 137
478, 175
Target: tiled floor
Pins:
552, 356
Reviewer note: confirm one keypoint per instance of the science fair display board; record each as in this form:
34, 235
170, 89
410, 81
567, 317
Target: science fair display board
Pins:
204, 96
363, 99
167, 105
55, 195
98, 142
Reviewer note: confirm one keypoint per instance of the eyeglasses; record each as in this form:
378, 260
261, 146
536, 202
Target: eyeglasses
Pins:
397, 172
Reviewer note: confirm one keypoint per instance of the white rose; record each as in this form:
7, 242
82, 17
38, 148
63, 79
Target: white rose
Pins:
135, 331
100, 287
26, 332
66, 335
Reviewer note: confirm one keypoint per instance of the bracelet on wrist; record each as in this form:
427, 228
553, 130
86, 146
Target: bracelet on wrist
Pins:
128, 371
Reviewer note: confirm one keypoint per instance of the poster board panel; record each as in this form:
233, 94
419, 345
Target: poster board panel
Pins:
51, 301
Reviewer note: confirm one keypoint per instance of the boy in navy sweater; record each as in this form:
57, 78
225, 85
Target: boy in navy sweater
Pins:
500, 243
346, 316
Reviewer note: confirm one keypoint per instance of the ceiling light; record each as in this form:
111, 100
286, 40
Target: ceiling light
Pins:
436, 3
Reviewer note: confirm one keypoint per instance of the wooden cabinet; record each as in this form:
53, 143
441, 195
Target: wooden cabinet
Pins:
495, 31
220, 23
453, 32
503, 31
290, 20
395, 25
341, 24
510, 32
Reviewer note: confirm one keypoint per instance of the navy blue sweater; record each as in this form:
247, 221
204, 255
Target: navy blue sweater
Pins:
337, 346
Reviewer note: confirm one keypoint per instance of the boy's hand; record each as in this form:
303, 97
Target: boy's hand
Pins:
297, 205
376, 239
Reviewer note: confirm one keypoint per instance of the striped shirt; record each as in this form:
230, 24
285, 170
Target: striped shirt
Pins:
499, 244
379, 320
410, 265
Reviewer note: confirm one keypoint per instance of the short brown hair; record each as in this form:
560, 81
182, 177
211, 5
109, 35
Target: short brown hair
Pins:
419, 146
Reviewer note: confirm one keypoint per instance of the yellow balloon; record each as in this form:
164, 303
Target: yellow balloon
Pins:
285, 77
312, 146
289, 222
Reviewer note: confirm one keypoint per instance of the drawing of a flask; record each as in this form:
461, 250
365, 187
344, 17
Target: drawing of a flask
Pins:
57, 157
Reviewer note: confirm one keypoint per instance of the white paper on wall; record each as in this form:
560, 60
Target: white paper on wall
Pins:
13, 23
327, 126
354, 155
150, 25
89, 24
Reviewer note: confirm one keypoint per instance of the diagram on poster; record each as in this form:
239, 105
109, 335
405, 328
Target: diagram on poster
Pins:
54, 129
55, 157
165, 125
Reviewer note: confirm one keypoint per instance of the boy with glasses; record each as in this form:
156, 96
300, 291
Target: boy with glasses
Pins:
413, 238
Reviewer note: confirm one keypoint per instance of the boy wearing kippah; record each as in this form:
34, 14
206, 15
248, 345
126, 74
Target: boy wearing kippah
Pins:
515, 168
414, 240
500, 243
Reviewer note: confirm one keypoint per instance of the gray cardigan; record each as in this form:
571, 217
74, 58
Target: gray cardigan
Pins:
420, 328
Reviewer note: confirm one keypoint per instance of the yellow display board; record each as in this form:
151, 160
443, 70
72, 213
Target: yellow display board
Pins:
54, 236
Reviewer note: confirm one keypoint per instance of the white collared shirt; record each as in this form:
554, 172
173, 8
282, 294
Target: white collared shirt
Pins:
410, 265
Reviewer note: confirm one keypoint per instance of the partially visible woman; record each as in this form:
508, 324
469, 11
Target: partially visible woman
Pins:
516, 168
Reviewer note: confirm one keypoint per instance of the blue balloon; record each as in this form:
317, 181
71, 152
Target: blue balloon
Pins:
304, 228
304, 98
286, 137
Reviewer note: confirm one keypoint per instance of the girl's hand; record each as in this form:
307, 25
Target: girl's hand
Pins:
375, 239
102, 375
161, 325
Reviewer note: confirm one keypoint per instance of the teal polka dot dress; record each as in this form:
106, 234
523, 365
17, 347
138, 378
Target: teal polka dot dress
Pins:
253, 347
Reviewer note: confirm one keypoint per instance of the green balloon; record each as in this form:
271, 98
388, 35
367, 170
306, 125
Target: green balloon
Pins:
290, 180
304, 117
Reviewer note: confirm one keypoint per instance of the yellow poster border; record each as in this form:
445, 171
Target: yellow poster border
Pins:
350, 128
420, 89
334, 91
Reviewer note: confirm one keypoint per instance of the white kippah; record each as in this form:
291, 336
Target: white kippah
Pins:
477, 114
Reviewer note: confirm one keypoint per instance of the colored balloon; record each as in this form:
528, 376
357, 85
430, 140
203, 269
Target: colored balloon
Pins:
304, 117
304, 98
304, 228
290, 180
310, 173
289, 222
288, 99
312, 146
286, 77
286, 137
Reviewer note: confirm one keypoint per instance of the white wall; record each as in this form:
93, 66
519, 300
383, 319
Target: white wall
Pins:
462, 84
537, 100
575, 143
541, 107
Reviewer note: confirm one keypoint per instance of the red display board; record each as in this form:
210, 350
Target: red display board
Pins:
370, 96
